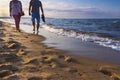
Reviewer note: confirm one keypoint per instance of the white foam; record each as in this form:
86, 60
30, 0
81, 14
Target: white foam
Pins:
84, 37
114, 44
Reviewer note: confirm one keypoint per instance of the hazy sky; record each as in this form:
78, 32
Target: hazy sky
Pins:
72, 8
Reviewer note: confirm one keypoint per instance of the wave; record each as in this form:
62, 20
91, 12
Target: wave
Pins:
89, 37
103, 39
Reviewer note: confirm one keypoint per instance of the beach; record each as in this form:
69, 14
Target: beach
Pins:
23, 56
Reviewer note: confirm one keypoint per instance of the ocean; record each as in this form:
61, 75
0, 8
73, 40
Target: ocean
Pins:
104, 32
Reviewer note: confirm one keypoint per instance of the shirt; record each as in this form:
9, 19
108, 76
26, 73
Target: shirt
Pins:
15, 7
36, 4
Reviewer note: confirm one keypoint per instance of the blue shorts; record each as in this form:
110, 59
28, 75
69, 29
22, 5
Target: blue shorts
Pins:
36, 16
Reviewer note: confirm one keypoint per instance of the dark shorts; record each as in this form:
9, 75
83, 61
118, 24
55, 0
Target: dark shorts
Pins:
36, 16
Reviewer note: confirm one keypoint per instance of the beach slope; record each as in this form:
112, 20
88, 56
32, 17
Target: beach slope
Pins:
24, 57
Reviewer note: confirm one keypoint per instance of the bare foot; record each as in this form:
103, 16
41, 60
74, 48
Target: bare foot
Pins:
37, 32
33, 29
18, 30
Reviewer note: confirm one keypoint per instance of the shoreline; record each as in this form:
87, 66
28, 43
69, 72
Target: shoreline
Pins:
79, 48
31, 59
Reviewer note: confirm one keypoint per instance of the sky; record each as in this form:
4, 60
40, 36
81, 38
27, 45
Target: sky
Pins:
71, 8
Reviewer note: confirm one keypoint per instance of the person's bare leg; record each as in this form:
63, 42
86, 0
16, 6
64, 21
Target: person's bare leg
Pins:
33, 23
38, 25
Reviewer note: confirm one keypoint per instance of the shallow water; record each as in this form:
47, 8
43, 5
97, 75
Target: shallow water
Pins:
76, 46
105, 32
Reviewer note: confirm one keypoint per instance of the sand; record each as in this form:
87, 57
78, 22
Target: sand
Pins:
24, 57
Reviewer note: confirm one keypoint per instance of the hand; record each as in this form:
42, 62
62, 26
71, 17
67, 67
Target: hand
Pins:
29, 13
10, 15
43, 17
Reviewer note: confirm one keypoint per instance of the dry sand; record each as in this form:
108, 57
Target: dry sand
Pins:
24, 57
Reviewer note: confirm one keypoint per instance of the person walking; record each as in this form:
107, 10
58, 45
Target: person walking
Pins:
16, 11
34, 10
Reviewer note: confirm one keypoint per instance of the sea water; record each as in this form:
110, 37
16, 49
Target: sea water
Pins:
104, 32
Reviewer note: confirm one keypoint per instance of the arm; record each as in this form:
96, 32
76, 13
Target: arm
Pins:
10, 12
21, 6
43, 17
42, 10
30, 8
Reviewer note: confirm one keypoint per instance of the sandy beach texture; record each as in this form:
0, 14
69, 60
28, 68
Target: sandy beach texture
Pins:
24, 57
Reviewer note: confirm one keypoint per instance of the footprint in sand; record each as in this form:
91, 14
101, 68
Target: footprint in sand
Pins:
2, 34
71, 70
10, 57
12, 45
68, 59
30, 68
12, 77
35, 78
112, 72
4, 73
21, 52
9, 67
33, 61
1, 40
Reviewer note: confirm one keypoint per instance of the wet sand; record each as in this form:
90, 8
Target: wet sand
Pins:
24, 57
80, 48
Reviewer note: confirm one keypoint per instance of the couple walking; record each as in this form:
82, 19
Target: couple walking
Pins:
34, 10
